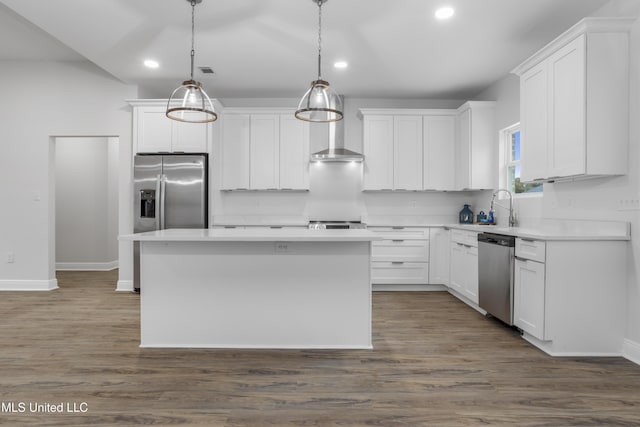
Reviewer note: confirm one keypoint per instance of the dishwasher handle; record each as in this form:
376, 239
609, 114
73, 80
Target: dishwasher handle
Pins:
497, 239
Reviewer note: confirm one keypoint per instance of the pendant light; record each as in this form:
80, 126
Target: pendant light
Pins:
321, 103
189, 102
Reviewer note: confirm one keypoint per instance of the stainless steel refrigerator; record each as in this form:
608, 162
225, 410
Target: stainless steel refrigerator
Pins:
170, 191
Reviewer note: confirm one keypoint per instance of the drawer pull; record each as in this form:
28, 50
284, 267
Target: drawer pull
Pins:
526, 240
397, 262
397, 228
397, 240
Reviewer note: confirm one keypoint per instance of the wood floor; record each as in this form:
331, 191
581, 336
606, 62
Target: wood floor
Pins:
435, 362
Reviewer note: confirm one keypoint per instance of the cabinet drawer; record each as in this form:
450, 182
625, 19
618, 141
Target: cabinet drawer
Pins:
469, 238
409, 273
400, 250
401, 232
531, 249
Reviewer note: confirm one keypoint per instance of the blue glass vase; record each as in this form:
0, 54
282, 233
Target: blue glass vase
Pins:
466, 215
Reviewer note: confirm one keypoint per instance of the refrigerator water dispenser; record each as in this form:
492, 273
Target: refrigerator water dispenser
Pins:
147, 203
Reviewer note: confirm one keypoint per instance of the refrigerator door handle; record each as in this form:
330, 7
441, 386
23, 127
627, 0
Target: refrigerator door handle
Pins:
159, 199
163, 186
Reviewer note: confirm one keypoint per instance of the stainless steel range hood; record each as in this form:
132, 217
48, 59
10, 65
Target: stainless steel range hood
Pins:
336, 151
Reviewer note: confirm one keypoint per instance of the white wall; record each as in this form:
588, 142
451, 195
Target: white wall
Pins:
42, 100
86, 209
595, 199
113, 175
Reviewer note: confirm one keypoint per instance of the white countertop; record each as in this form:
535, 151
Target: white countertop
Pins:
253, 234
549, 229
559, 230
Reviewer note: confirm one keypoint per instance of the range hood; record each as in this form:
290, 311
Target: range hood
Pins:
336, 151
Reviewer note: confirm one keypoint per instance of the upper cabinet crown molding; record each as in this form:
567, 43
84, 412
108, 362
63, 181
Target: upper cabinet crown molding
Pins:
585, 26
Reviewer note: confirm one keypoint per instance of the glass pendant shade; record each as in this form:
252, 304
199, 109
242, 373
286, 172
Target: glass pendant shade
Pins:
190, 103
320, 104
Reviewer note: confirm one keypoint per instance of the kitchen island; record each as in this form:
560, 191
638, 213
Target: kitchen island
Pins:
255, 288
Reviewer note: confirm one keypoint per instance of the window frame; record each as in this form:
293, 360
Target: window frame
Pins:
505, 161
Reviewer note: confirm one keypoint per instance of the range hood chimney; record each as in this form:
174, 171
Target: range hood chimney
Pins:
336, 151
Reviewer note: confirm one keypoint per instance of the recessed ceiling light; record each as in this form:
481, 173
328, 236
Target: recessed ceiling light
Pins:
445, 12
341, 64
150, 63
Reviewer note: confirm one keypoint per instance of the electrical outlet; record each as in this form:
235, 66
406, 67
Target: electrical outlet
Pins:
282, 247
629, 204
11, 257
413, 204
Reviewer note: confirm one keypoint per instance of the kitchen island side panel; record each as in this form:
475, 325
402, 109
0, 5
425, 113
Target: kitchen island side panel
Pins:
256, 294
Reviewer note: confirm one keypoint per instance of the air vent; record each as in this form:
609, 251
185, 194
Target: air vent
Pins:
206, 70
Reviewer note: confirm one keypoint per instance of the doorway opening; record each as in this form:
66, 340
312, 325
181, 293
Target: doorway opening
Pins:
86, 203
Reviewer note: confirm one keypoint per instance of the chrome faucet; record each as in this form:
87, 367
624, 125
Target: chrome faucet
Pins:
512, 219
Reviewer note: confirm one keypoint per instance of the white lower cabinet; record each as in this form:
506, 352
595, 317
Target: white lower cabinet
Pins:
528, 297
402, 257
463, 278
399, 272
439, 256
569, 296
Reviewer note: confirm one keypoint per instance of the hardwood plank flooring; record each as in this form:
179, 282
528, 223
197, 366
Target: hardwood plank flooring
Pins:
435, 362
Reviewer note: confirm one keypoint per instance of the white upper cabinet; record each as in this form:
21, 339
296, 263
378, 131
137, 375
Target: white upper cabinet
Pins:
378, 152
408, 149
236, 145
438, 152
407, 153
294, 153
533, 88
566, 149
265, 152
265, 149
476, 146
574, 103
153, 132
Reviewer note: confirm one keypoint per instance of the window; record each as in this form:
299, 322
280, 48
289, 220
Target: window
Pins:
510, 175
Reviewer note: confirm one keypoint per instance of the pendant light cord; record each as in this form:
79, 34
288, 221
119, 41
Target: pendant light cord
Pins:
319, 39
193, 19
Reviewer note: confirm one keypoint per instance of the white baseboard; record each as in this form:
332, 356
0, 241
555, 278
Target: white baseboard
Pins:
405, 287
124, 286
631, 351
28, 285
87, 266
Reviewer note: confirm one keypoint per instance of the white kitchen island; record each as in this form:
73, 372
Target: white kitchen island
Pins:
255, 288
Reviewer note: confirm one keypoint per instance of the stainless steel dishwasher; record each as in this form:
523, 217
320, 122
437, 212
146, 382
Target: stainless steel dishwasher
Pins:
495, 275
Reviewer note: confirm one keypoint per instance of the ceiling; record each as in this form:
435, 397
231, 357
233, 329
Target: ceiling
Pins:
268, 48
